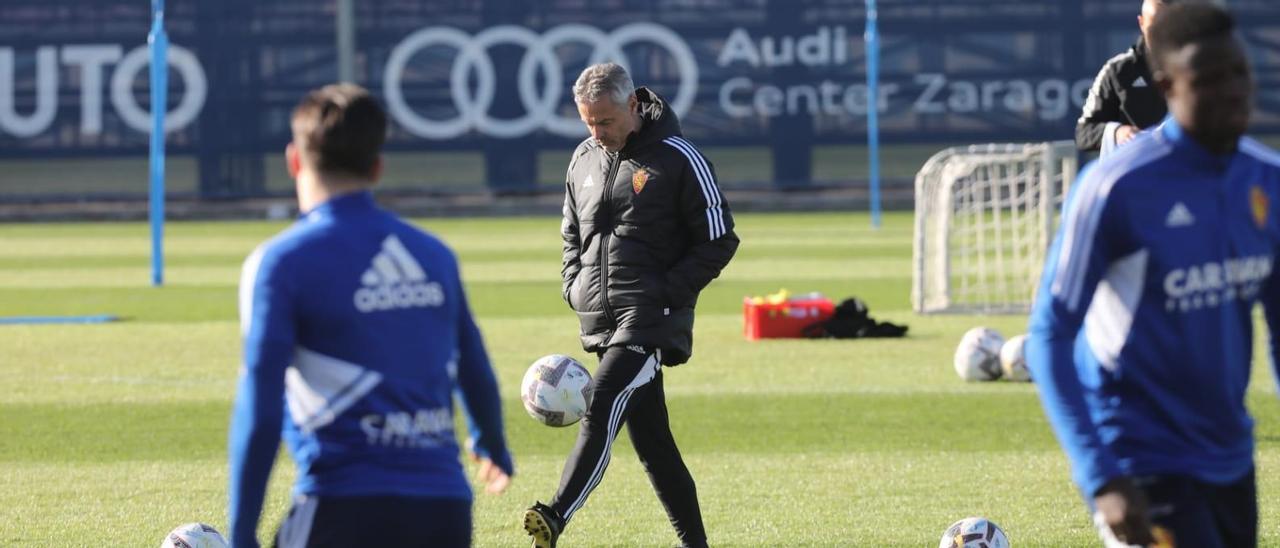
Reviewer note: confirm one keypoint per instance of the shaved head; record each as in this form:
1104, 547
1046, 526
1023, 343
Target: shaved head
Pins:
1149, 7
1148, 14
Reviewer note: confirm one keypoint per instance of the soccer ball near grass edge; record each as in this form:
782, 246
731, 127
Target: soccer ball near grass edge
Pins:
973, 533
556, 390
978, 355
194, 535
1013, 359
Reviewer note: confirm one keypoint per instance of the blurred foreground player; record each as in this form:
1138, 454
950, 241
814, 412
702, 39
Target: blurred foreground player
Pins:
355, 323
1141, 336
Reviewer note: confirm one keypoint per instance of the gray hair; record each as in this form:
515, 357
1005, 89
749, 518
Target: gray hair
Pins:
603, 79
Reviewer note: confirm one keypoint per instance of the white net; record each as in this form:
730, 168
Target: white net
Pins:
985, 215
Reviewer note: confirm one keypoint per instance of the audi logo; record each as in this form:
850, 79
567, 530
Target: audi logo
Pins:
539, 104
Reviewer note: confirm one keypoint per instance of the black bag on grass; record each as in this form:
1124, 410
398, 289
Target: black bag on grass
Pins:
852, 321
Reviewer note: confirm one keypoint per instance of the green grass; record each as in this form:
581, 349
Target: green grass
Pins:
432, 170
112, 434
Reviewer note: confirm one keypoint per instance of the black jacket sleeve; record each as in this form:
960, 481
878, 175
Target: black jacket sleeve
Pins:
1102, 106
570, 263
707, 217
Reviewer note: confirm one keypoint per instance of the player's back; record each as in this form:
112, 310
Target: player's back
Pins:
377, 308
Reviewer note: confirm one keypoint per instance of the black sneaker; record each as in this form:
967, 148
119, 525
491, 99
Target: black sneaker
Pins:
543, 524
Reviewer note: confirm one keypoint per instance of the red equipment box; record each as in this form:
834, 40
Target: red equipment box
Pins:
783, 318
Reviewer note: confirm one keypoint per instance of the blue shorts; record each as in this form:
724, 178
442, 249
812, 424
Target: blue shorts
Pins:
1203, 515
320, 522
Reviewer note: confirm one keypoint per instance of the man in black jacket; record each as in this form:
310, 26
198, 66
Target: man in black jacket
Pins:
1123, 100
645, 229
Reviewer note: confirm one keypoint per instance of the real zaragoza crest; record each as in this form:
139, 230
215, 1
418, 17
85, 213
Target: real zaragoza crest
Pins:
1259, 205
638, 180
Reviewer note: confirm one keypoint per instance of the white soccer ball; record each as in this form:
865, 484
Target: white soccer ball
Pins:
1013, 360
556, 390
194, 535
978, 355
974, 533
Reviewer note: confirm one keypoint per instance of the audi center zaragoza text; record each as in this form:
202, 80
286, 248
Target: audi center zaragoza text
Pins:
106, 73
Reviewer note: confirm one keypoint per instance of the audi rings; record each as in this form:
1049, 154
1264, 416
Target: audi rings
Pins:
540, 105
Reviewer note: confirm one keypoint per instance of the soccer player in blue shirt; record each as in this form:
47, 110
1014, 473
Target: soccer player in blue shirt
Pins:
356, 336
1141, 334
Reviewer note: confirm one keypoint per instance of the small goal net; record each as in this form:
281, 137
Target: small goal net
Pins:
985, 215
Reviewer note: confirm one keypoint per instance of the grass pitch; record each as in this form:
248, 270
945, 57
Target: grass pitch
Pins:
112, 434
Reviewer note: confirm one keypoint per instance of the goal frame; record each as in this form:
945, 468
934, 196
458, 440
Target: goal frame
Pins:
947, 186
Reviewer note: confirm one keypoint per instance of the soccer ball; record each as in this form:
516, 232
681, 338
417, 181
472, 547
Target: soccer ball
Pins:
194, 535
556, 390
1013, 361
973, 533
978, 355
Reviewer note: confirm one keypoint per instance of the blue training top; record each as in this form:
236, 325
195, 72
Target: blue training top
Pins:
1141, 334
356, 324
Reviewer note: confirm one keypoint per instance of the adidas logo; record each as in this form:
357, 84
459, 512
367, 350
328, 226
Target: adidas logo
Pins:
588, 182
1140, 83
395, 280
1179, 216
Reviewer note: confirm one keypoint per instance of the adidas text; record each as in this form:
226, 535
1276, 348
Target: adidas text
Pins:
391, 297
396, 280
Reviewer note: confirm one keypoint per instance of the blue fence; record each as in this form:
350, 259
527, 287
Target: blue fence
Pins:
492, 76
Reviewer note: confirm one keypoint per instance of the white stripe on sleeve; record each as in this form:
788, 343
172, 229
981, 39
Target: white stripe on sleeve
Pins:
248, 278
1260, 151
715, 215
718, 213
1093, 103
1080, 222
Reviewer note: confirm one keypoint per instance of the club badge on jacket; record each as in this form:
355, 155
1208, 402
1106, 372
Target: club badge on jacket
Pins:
638, 180
1259, 204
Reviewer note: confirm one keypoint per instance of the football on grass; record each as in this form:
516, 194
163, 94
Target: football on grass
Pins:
973, 533
978, 355
556, 390
1013, 361
194, 535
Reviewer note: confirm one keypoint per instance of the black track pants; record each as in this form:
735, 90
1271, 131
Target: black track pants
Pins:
627, 388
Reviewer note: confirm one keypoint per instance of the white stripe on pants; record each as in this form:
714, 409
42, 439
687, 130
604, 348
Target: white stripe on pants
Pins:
617, 412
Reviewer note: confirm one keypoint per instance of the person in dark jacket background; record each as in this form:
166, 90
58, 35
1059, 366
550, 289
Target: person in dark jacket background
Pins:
645, 229
1123, 100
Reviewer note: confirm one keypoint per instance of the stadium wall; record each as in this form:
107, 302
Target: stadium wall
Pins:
478, 90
